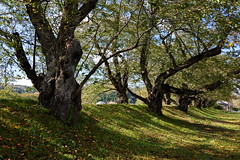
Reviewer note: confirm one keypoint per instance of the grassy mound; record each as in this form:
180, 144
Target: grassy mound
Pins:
28, 131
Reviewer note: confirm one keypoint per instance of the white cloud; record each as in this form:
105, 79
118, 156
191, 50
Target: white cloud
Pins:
23, 82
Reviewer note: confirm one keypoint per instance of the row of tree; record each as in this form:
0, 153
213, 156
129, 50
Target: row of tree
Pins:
183, 47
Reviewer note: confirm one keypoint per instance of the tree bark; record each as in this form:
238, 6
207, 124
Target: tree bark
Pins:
155, 103
118, 80
59, 91
184, 102
58, 88
122, 98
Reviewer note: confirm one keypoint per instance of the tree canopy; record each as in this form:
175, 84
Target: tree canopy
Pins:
176, 46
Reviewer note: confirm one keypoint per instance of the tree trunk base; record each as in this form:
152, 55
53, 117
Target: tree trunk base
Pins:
155, 105
122, 98
59, 97
184, 102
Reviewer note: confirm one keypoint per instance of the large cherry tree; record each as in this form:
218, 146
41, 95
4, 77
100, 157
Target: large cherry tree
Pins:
182, 35
58, 88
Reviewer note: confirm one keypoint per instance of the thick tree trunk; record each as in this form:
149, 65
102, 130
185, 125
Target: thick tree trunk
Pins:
155, 103
62, 100
184, 102
122, 98
59, 87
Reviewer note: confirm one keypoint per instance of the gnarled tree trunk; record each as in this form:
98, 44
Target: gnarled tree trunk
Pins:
155, 104
58, 88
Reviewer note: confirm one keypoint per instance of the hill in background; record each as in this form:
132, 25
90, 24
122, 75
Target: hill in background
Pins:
19, 88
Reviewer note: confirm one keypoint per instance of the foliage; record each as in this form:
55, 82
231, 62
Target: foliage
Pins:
172, 38
8, 94
209, 71
117, 132
101, 91
107, 97
92, 91
12, 19
185, 34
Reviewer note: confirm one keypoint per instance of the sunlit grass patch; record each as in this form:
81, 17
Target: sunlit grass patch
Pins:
28, 131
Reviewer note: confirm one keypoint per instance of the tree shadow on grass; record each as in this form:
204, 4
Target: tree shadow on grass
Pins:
110, 143
178, 113
91, 139
16, 142
214, 117
138, 118
205, 130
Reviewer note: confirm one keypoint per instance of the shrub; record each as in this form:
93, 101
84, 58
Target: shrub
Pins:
8, 94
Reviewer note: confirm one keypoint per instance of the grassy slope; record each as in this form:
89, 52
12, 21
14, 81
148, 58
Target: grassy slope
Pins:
117, 132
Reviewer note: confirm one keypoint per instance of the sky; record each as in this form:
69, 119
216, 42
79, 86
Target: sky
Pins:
23, 82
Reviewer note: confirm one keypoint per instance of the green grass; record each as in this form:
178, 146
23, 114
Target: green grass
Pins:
28, 131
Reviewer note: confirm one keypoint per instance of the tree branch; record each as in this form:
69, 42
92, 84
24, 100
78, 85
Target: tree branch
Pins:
101, 61
143, 64
44, 31
180, 91
21, 56
138, 96
72, 16
170, 72
215, 85
205, 88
